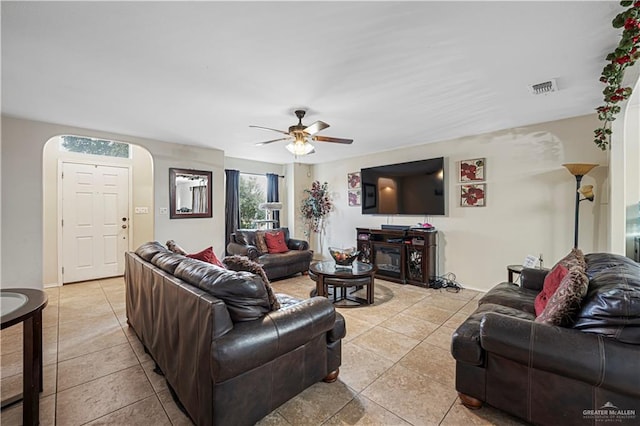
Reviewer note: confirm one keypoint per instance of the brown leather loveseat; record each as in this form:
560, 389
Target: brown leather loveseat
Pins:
277, 265
227, 356
585, 373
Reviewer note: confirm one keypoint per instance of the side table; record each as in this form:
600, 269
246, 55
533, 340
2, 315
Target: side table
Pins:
513, 269
25, 305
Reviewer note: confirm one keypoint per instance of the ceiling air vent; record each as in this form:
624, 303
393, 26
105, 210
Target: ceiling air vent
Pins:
544, 87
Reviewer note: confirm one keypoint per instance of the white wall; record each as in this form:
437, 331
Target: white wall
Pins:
530, 199
22, 195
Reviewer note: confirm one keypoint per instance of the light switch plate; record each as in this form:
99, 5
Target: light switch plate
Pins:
164, 210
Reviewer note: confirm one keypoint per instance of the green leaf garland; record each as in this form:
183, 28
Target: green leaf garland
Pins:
625, 55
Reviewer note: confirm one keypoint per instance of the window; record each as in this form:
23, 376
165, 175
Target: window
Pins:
94, 146
253, 191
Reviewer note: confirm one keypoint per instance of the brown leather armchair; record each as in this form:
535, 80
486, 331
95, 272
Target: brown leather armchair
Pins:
279, 265
551, 375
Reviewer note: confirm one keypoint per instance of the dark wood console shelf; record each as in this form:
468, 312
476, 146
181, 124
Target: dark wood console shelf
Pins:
403, 256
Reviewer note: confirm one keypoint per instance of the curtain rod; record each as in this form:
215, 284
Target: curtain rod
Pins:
258, 174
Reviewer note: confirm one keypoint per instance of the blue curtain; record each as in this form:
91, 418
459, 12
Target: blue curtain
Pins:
232, 204
272, 195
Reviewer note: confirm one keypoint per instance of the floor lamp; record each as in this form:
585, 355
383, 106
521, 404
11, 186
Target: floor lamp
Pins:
270, 207
579, 170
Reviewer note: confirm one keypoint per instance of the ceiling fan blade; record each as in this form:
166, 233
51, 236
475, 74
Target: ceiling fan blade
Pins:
268, 128
330, 139
316, 127
271, 141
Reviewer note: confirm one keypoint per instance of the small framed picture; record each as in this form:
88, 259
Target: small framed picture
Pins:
473, 195
353, 180
370, 199
354, 197
472, 170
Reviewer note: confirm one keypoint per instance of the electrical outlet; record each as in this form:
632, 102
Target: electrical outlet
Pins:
164, 210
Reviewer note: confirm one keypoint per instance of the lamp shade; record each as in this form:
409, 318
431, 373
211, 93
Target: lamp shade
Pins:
579, 169
270, 206
300, 147
587, 192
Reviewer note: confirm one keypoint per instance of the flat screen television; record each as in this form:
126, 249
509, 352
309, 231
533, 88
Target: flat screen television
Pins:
413, 188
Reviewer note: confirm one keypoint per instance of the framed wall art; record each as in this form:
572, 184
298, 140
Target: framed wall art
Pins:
473, 195
472, 170
353, 180
355, 198
354, 194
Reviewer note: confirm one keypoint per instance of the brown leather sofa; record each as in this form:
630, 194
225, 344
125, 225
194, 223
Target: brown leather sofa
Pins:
550, 375
279, 265
226, 357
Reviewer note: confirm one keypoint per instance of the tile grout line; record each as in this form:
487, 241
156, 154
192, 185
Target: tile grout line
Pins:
155, 393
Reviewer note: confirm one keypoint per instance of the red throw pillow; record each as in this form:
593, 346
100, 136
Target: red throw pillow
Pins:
551, 283
207, 255
275, 242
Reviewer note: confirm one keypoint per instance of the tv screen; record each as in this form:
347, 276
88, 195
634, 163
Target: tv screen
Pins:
413, 188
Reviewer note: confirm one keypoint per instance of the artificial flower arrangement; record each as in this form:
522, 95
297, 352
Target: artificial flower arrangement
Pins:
315, 207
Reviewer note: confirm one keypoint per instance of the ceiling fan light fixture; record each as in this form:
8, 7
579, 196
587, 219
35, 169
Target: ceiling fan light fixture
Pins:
300, 147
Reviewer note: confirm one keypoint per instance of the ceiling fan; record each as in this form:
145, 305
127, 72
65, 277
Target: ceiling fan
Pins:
298, 134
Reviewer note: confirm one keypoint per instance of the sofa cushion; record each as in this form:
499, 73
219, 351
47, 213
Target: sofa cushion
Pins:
243, 263
551, 283
150, 249
276, 242
246, 237
612, 304
565, 302
207, 255
244, 293
167, 261
511, 295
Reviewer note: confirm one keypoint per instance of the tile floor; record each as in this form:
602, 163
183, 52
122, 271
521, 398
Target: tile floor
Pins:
396, 366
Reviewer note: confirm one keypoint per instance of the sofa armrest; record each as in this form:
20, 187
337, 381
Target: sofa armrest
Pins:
590, 358
297, 244
254, 343
533, 278
243, 250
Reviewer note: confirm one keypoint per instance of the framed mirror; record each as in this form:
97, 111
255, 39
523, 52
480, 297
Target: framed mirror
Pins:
189, 193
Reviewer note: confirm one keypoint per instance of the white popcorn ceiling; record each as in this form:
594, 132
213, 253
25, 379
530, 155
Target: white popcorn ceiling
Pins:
385, 74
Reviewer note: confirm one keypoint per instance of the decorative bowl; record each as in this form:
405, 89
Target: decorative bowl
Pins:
343, 257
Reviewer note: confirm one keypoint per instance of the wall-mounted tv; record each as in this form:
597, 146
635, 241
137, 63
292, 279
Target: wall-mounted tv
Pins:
413, 188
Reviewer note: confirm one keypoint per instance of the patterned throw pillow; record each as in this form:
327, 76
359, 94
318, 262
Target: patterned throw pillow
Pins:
565, 302
574, 258
261, 243
172, 246
275, 242
243, 263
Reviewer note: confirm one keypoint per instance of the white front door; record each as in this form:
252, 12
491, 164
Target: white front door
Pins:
95, 221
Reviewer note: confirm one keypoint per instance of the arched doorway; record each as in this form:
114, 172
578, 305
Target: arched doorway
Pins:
97, 203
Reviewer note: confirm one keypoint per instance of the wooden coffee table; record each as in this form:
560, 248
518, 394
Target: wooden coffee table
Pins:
327, 274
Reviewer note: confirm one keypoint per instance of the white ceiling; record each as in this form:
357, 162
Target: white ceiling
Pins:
386, 74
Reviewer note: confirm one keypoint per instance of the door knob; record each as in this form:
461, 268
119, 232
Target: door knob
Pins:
124, 226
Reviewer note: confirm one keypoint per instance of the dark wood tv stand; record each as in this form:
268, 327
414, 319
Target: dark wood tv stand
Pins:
402, 256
